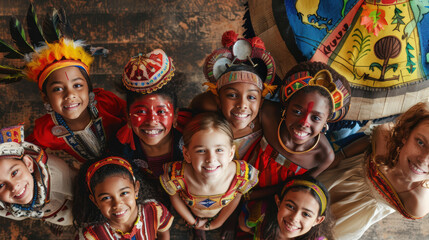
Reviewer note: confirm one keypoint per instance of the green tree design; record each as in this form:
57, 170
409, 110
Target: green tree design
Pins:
397, 19
410, 62
361, 45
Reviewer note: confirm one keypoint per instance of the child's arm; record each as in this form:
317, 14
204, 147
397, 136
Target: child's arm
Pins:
223, 214
356, 147
163, 235
242, 224
184, 211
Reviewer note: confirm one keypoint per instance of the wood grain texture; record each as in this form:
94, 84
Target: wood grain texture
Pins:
187, 30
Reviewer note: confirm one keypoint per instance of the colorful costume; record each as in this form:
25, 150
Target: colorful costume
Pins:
53, 184
360, 196
244, 146
49, 133
254, 218
153, 217
150, 166
273, 167
173, 181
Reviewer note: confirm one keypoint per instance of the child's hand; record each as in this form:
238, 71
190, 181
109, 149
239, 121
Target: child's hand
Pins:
201, 224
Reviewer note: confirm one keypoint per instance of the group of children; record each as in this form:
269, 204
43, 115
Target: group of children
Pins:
255, 157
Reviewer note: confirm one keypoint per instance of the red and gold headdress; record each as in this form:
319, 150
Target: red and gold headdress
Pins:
148, 73
237, 51
106, 161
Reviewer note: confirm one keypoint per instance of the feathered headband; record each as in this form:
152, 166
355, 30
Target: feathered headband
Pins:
49, 50
236, 51
340, 95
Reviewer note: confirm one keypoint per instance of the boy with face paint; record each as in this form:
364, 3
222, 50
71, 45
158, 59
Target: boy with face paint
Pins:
33, 184
149, 138
311, 95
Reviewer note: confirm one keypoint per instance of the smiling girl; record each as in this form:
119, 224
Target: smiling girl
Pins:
299, 211
80, 119
207, 187
311, 95
108, 206
33, 184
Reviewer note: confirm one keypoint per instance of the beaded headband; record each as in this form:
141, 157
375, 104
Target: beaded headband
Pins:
149, 72
106, 161
239, 76
54, 56
312, 186
340, 96
236, 51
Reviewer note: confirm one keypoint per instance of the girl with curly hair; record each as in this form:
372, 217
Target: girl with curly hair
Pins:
391, 176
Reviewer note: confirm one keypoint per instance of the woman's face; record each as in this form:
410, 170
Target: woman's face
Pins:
151, 118
297, 213
413, 158
306, 115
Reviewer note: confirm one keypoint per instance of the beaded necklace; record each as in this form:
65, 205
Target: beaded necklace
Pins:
63, 123
33, 202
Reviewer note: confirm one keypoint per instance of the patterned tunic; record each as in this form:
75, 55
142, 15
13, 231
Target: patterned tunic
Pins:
153, 217
173, 181
274, 168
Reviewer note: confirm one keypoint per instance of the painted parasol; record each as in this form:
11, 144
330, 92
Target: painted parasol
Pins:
380, 46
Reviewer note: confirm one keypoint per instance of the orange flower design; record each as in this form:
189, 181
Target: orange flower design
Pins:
373, 19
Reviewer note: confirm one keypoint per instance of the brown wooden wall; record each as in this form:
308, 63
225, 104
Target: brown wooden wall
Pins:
187, 30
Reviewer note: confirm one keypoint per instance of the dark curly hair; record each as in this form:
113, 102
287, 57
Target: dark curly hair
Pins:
404, 125
270, 226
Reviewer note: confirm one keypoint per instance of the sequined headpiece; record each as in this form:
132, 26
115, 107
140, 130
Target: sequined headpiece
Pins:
106, 161
340, 95
312, 186
149, 72
236, 51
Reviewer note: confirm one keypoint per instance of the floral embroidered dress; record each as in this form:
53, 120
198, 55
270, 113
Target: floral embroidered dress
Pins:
86, 144
153, 217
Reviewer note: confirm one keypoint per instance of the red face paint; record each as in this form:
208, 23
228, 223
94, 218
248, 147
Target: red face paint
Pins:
152, 110
304, 119
67, 76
